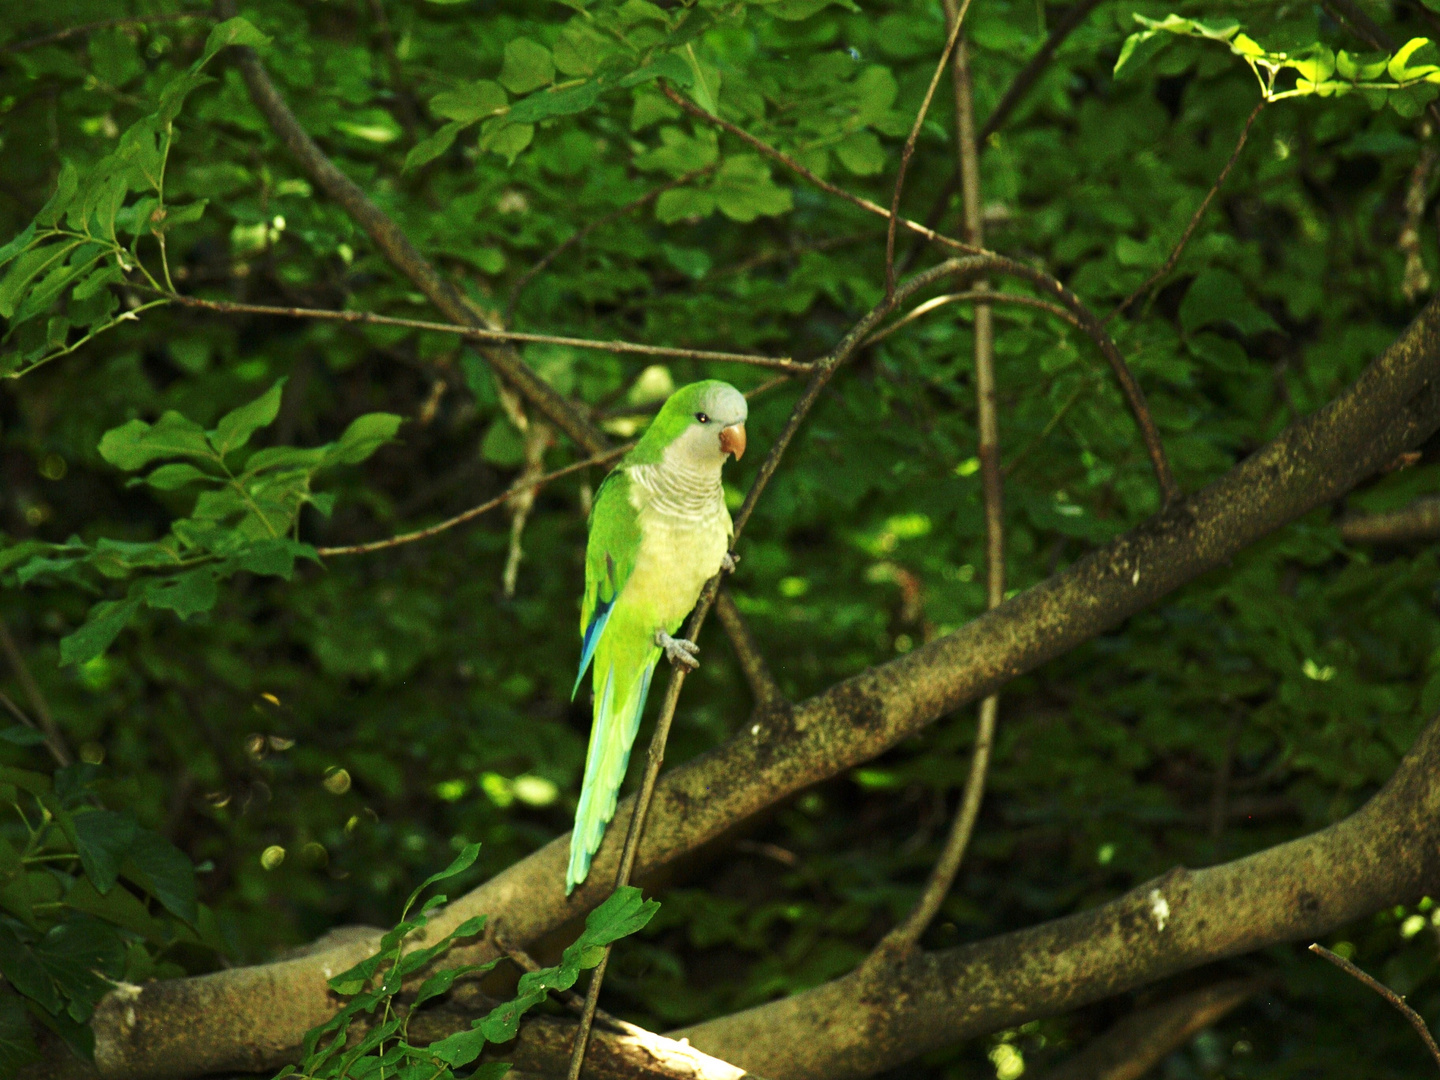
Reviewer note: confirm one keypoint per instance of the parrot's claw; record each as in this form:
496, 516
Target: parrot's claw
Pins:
678, 650
729, 562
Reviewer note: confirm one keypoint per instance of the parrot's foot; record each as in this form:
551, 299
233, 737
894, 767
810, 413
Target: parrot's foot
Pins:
678, 650
729, 562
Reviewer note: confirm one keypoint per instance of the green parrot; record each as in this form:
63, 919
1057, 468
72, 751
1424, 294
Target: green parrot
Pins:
659, 530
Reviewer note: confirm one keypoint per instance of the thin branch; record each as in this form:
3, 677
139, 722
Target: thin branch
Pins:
777, 363
906, 936
475, 511
989, 297
1140, 1041
1159, 275
747, 651
582, 233
957, 22
1416, 1020
1024, 80
392, 243
1418, 521
104, 24
824, 370
538, 439
806, 174
54, 738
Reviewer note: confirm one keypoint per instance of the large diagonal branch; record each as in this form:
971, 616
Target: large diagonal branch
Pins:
390, 240
251, 1017
1386, 853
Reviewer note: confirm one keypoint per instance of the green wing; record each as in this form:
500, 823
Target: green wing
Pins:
609, 557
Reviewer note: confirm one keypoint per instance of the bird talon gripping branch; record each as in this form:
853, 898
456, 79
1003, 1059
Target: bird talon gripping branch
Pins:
729, 562
659, 530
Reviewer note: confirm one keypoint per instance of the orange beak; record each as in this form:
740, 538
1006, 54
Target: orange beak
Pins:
732, 440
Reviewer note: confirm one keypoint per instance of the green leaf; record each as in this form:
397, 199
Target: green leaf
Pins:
17, 1044
82, 956
363, 437
275, 557
1219, 296
66, 184
704, 80
861, 153
551, 103
235, 427
236, 31
162, 870
503, 445
135, 444
175, 476
744, 191
458, 1049
20, 735
103, 839
527, 66
681, 204
462, 862
26, 268
668, 65
441, 981
431, 147
508, 141
474, 101
187, 594
102, 626
24, 971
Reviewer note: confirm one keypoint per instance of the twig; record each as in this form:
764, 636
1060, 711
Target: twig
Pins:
391, 241
1026, 78
1420, 520
907, 934
806, 174
824, 370
403, 98
1417, 279
54, 738
988, 296
1416, 1020
580, 234
1174, 258
777, 363
537, 440
104, 24
747, 650
957, 21
474, 511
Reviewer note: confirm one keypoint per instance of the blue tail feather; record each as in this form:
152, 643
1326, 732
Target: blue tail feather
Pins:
592, 640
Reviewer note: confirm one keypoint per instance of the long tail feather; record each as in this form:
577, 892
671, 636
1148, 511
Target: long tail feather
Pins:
622, 683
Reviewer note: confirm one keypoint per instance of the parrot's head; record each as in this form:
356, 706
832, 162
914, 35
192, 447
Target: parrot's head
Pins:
704, 422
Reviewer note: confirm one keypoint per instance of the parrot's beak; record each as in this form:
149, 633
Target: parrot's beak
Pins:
732, 440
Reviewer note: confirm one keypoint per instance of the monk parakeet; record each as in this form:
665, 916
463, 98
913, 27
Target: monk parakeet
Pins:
659, 530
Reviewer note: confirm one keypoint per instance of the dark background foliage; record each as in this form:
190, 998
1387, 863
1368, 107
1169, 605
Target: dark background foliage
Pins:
318, 745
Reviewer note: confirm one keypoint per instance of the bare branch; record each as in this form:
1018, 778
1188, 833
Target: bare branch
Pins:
909, 149
580, 234
103, 24
520, 486
906, 935
747, 651
45, 719
777, 363
988, 296
1416, 1020
1139, 1042
1160, 275
1418, 521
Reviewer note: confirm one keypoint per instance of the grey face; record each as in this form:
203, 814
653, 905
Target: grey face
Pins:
707, 442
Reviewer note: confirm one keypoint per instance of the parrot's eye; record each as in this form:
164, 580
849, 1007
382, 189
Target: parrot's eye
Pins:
702, 417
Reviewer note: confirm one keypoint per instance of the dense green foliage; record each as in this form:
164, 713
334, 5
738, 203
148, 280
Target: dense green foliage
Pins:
318, 736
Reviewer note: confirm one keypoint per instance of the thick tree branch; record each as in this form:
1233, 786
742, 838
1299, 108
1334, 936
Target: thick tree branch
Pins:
1139, 1042
1388, 852
1418, 521
397, 249
251, 1017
